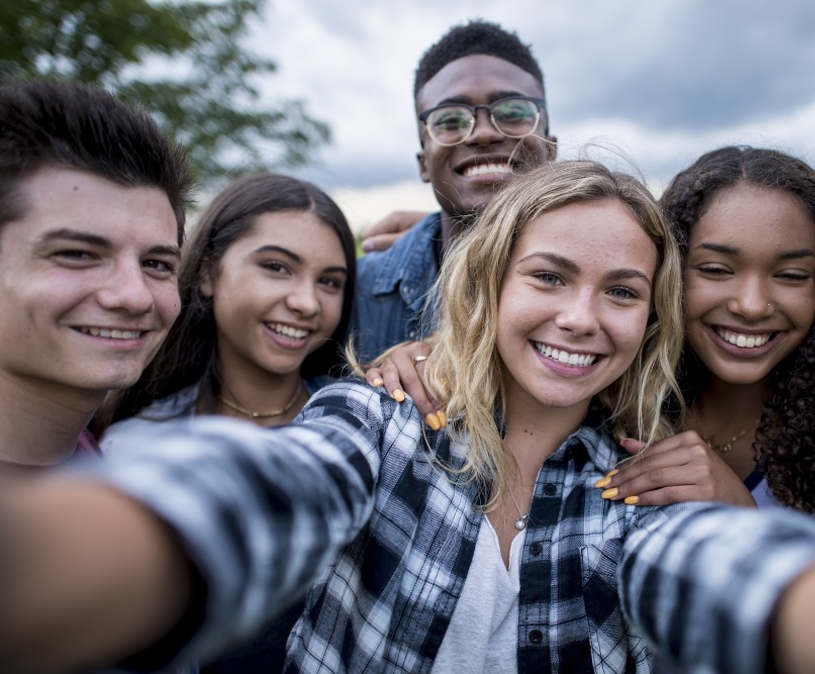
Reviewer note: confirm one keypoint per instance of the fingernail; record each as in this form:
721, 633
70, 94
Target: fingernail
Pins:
610, 493
612, 472
631, 500
398, 395
442, 417
603, 482
377, 382
433, 421
367, 246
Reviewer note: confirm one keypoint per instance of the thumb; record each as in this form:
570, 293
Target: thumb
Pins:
632, 446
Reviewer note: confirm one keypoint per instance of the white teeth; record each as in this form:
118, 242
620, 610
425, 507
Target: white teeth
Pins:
287, 330
561, 356
741, 340
110, 333
483, 169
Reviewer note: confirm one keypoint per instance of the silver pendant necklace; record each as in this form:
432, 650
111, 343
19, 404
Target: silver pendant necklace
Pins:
523, 517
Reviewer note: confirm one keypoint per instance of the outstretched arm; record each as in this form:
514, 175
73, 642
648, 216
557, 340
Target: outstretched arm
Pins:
206, 529
707, 587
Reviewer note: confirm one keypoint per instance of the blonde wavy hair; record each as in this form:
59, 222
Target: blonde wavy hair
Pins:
464, 372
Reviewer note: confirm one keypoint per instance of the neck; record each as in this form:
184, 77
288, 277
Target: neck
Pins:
452, 226
263, 393
534, 432
40, 424
732, 404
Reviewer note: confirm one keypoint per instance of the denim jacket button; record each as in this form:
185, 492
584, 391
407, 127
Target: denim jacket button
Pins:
549, 489
535, 549
535, 637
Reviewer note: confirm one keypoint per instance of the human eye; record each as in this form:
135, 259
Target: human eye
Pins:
74, 256
161, 268
332, 283
549, 278
623, 293
275, 266
794, 275
713, 270
513, 110
450, 118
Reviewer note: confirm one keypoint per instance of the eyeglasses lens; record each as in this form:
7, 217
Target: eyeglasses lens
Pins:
514, 117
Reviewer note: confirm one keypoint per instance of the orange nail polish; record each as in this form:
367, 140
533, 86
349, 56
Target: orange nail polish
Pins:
631, 500
398, 395
610, 493
433, 421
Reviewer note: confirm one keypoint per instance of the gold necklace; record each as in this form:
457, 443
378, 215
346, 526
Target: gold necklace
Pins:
260, 415
726, 447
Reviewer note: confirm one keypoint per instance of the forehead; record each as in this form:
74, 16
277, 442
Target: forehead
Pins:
759, 218
301, 232
476, 79
55, 199
596, 235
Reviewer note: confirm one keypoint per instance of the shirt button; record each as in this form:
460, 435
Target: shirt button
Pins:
549, 489
535, 549
535, 637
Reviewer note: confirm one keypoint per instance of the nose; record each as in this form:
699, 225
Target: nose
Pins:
750, 300
579, 313
484, 131
126, 289
302, 299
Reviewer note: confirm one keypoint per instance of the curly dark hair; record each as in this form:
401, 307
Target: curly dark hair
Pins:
785, 439
475, 37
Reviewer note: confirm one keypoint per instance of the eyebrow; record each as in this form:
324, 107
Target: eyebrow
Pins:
572, 267
102, 242
559, 260
279, 249
294, 256
732, 250
493, 96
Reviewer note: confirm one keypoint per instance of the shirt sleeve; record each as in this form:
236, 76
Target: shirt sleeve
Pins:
701, 581
259, 512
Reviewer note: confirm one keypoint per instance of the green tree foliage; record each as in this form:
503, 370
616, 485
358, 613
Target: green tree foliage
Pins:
182, 60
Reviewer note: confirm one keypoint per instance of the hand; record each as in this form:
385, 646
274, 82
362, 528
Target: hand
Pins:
384, 233
676, 469
401, 371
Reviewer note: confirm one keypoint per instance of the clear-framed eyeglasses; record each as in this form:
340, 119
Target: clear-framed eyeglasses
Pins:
453, 123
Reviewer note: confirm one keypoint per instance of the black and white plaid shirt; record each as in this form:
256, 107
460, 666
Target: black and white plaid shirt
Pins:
260, 512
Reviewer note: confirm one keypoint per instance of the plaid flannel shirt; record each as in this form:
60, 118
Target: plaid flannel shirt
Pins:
260, 513
385, 604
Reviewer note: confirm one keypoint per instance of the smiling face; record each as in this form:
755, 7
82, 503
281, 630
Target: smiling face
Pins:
466, 176
277, 294
574, 304
749, 291
88, 284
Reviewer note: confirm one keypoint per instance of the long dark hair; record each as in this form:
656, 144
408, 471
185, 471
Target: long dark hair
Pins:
785, 439
189, 354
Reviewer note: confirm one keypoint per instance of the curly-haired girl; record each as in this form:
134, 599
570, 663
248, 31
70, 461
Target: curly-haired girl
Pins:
745, 222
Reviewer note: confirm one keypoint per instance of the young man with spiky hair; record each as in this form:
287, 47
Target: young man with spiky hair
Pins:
481, 111
92, 211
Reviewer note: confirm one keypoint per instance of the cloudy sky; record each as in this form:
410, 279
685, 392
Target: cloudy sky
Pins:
660, 81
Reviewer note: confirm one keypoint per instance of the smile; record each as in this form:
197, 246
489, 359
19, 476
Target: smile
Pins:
287, 330
485, 169
565, 357
110, 333
742, 340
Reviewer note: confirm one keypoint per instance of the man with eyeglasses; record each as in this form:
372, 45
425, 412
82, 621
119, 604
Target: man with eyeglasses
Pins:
482, 119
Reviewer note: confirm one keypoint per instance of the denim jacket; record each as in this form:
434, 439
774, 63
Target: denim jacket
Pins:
391, 290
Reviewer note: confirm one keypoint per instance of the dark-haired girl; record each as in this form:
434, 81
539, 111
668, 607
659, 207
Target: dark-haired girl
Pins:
266, 284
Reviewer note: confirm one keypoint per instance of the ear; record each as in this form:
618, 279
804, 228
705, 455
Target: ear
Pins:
422, 166
551, 148
206, 286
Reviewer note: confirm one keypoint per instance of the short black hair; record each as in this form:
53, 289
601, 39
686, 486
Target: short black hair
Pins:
475, 37
81, 127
